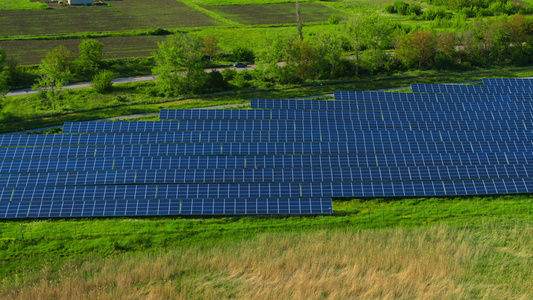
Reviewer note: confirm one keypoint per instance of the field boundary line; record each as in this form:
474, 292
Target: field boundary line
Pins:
209, 13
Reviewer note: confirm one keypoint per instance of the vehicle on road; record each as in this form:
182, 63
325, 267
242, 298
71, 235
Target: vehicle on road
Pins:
240, 65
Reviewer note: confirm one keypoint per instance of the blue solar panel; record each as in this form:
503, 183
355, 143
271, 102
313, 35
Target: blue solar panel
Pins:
387, 105
474, 89
266, 175
349, 125
427, 97
162, 207
264, 162
262, 136
267, 190
508, 81
263, 148
338, 116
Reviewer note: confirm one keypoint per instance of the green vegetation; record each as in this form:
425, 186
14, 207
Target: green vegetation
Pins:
471, 245
279, 13
21, 5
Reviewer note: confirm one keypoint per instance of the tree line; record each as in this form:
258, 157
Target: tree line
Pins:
375, 44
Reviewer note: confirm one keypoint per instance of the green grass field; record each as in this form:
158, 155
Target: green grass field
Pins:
425, 247
21, 5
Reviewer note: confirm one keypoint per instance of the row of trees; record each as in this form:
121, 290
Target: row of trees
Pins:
376, 44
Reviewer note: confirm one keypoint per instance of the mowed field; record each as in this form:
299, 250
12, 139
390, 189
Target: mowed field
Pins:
279, 13
119, 16
30, 52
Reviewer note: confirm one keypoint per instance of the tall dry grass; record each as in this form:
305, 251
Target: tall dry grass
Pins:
440, 262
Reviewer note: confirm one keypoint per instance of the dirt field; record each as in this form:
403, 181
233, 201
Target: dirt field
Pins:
32, 51
273, 13
117, 16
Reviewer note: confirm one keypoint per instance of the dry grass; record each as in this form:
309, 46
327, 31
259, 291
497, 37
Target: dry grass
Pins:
440, 262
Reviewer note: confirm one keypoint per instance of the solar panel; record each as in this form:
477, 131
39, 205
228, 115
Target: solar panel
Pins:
386, 105
339, 116
431, 97
162, 207
477, 89
263, 148
349, 125
264, 162
265, 175
262, 136
290, 158
508, 81
267, 190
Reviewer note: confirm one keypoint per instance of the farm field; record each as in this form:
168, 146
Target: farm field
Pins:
119, 16
273, 13
446, 248
29, 52
21, 5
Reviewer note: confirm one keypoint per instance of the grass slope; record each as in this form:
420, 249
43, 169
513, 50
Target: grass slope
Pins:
412, 248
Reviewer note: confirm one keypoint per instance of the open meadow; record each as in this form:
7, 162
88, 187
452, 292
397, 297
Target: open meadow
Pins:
447, 248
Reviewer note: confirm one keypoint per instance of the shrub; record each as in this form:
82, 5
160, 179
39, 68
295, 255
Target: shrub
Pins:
243, 54
390, 9
334, 19
103, 82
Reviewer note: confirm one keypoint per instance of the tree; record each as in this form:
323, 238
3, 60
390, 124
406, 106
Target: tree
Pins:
54, 72
90, 58
103, 81
354, 29
416, 48
4, 87
299, 20
2, 58
4, 76
210, 45
304, 57
179, 53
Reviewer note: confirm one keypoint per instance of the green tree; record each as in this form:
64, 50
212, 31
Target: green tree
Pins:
417, 48
90, 57
54, 72
304, 57
177, 61
354, 30
210, 46
4, 76
103, 81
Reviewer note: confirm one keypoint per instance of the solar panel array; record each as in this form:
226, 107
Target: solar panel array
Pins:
281, 157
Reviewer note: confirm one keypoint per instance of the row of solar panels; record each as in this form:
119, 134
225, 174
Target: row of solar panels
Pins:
474, 89
263, 149
164, 207
264, 162
262, 136
508, 81
320, 116
286, 125
266, 175
267, 190
467, 96
410, 105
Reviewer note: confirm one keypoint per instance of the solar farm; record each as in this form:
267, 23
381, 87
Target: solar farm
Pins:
282, 157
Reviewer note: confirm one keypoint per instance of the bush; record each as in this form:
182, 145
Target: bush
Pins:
334, 19
243, 54
401, 7
103, 82
390, 9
